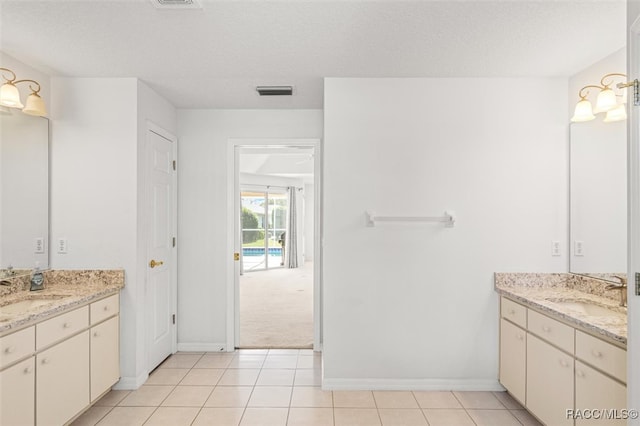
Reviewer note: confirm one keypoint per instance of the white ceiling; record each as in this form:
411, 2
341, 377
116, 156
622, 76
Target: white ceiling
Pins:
214, 57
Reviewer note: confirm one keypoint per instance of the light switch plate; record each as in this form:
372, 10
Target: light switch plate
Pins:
62, 245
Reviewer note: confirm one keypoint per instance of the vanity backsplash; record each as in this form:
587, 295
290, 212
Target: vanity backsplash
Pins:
63, 278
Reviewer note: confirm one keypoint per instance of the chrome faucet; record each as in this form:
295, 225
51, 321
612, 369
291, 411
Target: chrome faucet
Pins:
6, 273
622, 287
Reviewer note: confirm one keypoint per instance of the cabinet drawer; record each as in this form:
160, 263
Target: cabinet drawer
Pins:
55, 329
514, 312
105, 308
602, 355
594, 389
554, 332
17, 345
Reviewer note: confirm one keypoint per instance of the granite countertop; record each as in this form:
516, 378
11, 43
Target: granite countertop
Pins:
64, 291
556, 298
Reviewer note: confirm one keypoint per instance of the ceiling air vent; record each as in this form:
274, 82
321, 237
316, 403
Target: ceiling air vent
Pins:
275, 90
177, 4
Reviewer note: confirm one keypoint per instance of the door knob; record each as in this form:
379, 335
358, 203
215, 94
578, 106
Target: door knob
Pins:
155, 263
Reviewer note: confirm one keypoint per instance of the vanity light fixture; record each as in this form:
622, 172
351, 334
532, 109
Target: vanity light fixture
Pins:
10, 96
607, 100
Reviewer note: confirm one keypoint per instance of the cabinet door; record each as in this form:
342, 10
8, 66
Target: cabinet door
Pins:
62, 383
513, 352
594, 390
105, 357
549, 382
17, 394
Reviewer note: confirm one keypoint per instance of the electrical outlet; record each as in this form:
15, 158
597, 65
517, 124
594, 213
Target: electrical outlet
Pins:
555, 248
578, 248
62, 245
38, 245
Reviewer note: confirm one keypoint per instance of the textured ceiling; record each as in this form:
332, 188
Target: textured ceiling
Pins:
215, 56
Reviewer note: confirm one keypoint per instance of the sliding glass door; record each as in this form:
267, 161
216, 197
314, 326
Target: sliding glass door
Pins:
263, 218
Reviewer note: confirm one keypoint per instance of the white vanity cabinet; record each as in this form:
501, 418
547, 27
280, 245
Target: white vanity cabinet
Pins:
562, 368
50, 372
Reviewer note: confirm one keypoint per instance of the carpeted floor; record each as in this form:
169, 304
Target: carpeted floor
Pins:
276, 308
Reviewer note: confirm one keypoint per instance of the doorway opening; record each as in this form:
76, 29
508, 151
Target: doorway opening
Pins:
275, 280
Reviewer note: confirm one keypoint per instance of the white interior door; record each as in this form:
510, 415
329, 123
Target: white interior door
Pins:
161, 261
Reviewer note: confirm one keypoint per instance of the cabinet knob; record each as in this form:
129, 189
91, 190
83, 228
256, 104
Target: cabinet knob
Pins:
10, 349
96, 334
66, 325
512, 312
596, 353
580, 373
45, 360
106, 307
520, 336
564, 363
546, 328
28, 370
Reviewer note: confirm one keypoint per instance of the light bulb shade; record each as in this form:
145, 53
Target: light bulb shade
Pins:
35, 106
583, 112
606, 100
617, 114
10, 96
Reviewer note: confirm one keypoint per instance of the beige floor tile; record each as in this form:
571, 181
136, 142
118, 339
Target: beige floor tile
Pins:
395, 399
311, 396
276, 377
265, 417
447, 417
239, 377
308, 378
188, 396
92, 416
146, 396
112, 398
356, 417
214, 361
127, 416
508, 401
203, 376
353, 399
525, 418
229, 396
436, 399
219, 417
247, 361
479, 400
281, 361
309, 361
173, 416
270, 396
402, 417
167, 376
284, 352
493, 418
253, 351
181, 360
310, 417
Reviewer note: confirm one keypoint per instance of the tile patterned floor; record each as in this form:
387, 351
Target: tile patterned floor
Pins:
282, 387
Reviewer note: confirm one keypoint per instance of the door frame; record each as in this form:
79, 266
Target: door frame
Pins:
146, 189
633, 223
233, 233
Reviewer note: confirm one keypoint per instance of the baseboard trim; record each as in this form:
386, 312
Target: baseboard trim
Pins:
131, 383
412, 384
202, 347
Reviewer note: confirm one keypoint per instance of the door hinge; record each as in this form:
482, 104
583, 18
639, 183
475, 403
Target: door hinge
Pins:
174, 241
236, 256
173, 318
637, 283
174, 164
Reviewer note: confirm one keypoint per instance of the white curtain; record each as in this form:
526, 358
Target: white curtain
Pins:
291, 244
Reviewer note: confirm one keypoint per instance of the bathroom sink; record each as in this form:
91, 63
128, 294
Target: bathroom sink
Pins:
32, 302
588, 308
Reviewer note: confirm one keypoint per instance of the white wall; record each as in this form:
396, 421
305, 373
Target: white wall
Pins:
309, 211
204, 263
413, 305
98, 130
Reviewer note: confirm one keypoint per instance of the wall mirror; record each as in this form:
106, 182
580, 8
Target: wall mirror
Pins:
24, 191
598, 194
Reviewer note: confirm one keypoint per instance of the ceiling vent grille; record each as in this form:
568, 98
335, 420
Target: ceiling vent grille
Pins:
275, 90
177, 4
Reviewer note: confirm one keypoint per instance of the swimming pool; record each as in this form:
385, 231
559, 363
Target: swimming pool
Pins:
259, 251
